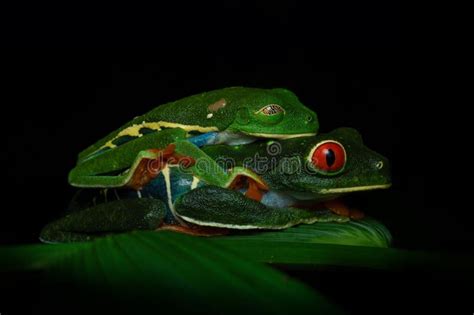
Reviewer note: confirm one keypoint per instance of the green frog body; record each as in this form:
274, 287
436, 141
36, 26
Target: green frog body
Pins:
275, 184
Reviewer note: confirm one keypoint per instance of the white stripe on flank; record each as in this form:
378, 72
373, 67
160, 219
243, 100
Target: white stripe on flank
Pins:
228, 226
248, 227
194, 183
166, 175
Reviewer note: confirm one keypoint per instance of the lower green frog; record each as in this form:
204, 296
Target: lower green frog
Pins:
275, 185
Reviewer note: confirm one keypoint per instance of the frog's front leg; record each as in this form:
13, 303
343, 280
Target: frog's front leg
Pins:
219, 207
209, 171
110, 217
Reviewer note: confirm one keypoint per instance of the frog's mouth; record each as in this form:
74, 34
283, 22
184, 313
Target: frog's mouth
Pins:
332, 193
339, 202
344, 190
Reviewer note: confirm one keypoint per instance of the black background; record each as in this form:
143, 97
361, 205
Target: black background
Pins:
65, 87
65, 106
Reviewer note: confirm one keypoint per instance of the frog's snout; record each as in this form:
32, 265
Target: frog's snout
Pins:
381, 169
380, 165
310, 118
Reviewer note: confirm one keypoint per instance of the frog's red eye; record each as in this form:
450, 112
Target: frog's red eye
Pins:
329, 156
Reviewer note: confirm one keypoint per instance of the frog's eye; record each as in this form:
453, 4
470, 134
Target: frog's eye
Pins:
271, 109
328, 156
271, 113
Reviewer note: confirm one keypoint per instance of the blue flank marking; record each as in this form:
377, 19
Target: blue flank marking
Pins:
180, 184
156, 189
274, 199
204, 139
277, 200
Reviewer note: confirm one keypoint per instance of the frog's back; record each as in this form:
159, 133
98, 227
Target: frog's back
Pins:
191, 113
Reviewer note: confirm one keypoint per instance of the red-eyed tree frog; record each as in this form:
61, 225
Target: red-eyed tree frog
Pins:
233, 116
281, 183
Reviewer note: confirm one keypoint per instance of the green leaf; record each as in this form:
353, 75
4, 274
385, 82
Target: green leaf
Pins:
168, 270
367, 232
359, 244
353, 243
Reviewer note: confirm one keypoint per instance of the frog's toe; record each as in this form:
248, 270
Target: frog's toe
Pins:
356, 214
106, 218
338, 208
341, 209
194, 230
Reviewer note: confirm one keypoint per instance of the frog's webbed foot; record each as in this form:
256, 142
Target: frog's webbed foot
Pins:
254, 188
341, 209
105, 218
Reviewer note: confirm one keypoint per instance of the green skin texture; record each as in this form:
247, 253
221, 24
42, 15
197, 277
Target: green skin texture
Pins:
216, 206
240, 115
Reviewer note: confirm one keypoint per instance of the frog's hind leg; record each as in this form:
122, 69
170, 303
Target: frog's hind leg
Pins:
223, 208
116, 166
105, 218
146, 167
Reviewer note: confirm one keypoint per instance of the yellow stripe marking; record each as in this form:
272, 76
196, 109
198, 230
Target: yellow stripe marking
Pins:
134, 130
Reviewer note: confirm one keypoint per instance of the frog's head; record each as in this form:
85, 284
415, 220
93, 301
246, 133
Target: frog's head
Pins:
275, 113
335, 163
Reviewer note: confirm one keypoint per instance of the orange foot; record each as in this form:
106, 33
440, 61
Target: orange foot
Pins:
148, 169
341, 209
255, 190
194, 230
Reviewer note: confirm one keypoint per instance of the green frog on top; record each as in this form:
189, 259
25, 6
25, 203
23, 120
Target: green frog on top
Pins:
232, 116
